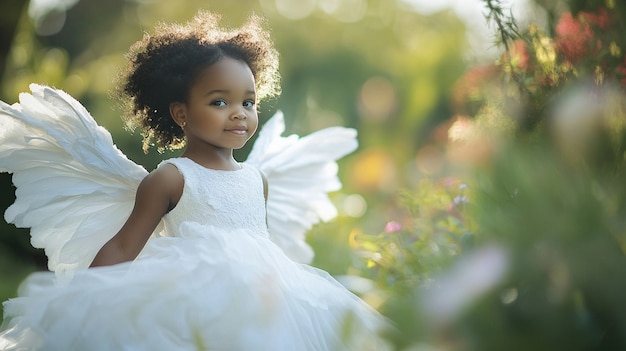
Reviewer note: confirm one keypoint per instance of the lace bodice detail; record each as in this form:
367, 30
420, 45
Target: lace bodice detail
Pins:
224, 199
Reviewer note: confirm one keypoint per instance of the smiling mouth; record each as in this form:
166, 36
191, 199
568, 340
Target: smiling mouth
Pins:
237, 131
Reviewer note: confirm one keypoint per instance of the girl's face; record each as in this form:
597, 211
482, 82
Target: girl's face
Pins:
220, 111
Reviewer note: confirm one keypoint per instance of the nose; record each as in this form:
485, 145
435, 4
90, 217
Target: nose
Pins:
240, 115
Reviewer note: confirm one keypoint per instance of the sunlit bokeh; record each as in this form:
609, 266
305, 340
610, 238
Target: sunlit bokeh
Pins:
377, 100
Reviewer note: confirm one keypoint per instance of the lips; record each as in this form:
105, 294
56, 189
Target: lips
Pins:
238, 130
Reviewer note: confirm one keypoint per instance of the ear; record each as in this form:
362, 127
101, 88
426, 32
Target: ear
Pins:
178, 113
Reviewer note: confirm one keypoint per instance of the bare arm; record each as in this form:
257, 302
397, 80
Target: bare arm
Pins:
156, 195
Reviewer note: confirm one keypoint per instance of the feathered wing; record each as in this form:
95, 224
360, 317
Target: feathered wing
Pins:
300, 172
75, 188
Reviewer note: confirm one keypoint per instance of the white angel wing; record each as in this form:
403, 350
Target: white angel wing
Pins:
75, 189
300, 172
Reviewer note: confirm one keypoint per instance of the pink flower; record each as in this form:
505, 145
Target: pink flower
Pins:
392, 227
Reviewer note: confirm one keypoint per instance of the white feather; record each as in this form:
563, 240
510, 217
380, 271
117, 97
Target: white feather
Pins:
75, 189
300, 173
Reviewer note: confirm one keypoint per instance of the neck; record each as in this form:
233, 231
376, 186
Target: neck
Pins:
216, 159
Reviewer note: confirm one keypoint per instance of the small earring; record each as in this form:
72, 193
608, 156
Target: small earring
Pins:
183, 124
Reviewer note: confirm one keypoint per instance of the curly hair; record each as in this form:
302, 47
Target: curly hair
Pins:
162, 68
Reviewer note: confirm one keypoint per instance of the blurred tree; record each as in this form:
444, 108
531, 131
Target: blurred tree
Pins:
9, 19
14, 245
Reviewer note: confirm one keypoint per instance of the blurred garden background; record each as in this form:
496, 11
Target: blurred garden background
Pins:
485, 208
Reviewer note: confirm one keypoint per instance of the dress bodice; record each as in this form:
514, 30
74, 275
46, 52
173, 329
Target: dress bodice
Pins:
224, 199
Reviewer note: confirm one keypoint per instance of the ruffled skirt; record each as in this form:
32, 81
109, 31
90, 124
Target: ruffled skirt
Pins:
207, 290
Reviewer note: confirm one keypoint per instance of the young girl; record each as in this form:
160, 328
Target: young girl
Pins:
189, 264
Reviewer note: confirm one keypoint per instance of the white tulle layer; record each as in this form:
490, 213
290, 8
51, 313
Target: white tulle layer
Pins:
208, 290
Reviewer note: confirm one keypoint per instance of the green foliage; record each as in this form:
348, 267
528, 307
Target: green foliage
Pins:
562, 228
13, 269
541, 145
404, 256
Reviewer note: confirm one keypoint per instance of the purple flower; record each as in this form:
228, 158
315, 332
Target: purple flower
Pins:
461, 199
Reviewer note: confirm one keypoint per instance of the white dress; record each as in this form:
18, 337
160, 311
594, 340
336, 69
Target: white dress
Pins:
213, 280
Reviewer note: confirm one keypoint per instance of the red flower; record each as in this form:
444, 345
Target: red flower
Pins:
601, 19
519, 54
573, 37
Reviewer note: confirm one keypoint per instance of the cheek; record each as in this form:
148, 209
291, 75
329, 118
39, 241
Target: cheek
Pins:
204, 119
256, 125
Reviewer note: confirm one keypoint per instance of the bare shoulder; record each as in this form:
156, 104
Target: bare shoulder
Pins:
165, 176
165, 182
